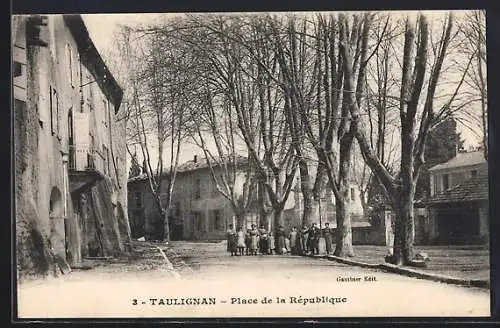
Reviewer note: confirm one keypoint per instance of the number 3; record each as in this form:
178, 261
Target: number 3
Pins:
134, 302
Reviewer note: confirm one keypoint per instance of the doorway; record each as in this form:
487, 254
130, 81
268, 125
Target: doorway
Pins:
57, 223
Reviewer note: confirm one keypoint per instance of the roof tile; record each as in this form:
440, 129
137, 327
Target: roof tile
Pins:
473, 189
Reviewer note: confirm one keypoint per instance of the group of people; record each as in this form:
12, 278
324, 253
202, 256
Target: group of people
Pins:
255, 240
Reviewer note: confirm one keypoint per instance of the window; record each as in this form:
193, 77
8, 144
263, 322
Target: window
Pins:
215, 220
473, 173
89, 93
138, 199
91, 152
54, 111
105, 112
353, 195
70, 64
197, 189
105, 154
446, 182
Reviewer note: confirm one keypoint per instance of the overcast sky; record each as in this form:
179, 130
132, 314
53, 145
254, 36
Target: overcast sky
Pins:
103, 26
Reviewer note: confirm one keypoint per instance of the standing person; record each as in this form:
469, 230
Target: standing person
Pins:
314, 235
293, 241
304, 232
231, 240
264, 240
254, 245
248, 242
272, 244
327, 234
241, 241
280, 240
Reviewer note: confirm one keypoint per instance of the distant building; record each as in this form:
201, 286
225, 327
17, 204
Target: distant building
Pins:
199, 211
458, 205
324, 211
70, 155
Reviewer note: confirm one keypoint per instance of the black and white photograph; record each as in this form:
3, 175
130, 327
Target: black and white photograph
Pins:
251, 164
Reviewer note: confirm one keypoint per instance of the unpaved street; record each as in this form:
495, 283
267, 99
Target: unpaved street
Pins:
245, 286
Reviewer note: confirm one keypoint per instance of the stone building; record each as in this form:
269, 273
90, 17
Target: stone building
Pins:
70, 156
458, 205
199, 211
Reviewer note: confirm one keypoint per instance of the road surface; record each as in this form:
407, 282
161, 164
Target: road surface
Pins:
208, 282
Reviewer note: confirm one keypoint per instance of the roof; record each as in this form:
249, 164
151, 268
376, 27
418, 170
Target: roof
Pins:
473, 189
190, 166
462, 159
91, 56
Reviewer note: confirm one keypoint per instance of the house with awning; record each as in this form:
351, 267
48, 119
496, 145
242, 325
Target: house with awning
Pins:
458, 204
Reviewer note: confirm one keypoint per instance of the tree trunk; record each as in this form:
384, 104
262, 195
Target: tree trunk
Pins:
343, 246
343, 209
266, 218
307, 193
309, 210
165, 236
240, 220
278, 218
404, 229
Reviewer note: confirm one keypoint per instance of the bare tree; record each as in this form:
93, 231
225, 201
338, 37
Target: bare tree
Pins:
217, 136
473, 29
320, 110
157, 113
416, 120
239, 60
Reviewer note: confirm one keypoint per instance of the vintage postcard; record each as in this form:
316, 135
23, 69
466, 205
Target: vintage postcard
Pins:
266, 165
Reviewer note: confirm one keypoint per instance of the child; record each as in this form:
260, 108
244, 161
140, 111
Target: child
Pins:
241, 241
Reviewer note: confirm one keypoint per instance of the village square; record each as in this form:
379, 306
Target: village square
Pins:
218, 161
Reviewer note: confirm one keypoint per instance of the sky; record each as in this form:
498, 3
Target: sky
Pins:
102, 27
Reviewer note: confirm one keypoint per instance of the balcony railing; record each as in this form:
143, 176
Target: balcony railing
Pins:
82, 158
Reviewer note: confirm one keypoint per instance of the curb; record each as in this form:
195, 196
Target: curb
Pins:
480, 283
434, 277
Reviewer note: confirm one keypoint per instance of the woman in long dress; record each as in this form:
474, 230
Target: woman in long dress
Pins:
241, 241
272, 246
254, 246
248, 242
231, 240
263, 241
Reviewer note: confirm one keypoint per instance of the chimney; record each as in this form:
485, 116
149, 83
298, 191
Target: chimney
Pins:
195, 159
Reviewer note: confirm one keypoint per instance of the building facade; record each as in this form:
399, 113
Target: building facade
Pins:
70, 155
458, 205
198, 212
